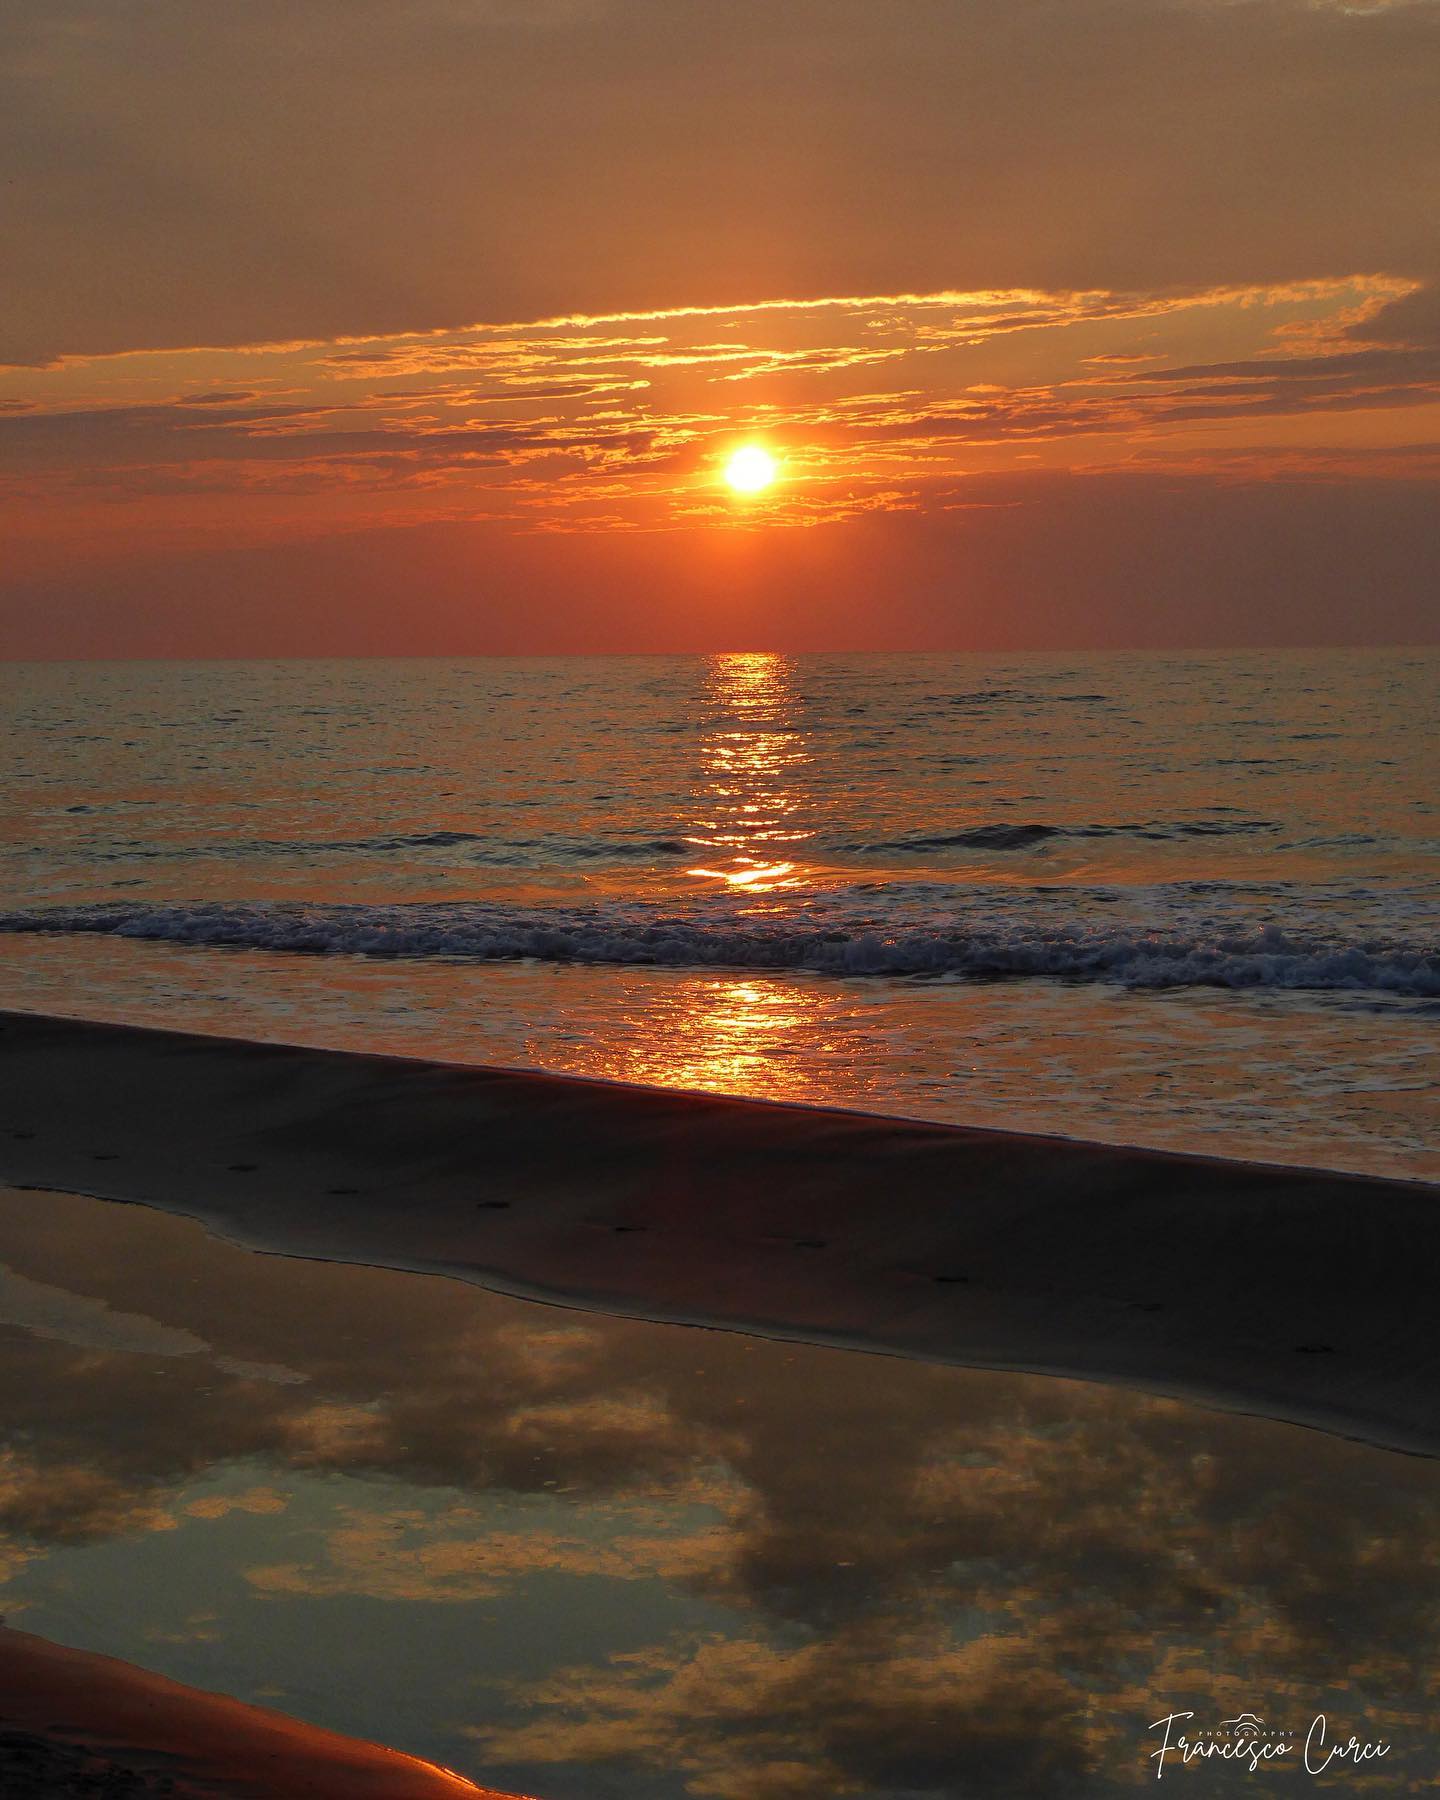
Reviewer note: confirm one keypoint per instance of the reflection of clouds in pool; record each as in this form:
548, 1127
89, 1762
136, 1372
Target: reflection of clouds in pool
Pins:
847, 1569
405, 1555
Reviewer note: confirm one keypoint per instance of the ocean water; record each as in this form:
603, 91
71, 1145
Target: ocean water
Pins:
1187, 900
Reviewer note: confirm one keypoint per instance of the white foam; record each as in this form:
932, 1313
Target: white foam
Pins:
1223, 955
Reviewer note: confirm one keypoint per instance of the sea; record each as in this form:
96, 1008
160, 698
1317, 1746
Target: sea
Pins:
1181, 900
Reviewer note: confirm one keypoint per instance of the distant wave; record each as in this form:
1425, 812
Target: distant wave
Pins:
592, 847
497, 849
1021, 837
478, 846
1004, 696
1227, 957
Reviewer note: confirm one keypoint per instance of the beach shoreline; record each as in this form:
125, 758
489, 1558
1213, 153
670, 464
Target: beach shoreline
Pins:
1287, 1293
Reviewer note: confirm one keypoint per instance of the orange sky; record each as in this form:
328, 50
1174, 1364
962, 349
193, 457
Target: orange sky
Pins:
1104, 323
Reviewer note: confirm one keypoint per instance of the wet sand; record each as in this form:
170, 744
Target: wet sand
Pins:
75, 1724
569, 1554
1288, 1293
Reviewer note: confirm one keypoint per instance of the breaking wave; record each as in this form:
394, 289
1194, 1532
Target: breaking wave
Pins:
1227, 956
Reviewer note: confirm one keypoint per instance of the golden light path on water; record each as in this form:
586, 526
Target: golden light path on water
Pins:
749, 794
739, 1034
748, 832
732, 1037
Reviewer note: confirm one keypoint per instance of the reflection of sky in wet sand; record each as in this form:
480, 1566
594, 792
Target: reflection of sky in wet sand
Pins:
586, 1556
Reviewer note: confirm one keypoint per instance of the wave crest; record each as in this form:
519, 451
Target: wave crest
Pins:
1265, 957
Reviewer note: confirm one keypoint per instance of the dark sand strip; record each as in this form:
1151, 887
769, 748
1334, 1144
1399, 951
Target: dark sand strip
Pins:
75, 1724
1298, 1295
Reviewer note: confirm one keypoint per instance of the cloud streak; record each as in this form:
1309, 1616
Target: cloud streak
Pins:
289, 272
563, 426
308, 173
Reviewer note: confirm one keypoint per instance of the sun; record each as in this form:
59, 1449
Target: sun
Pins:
751, 470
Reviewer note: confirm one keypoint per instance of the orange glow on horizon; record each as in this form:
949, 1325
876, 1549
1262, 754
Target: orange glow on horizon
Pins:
581, 463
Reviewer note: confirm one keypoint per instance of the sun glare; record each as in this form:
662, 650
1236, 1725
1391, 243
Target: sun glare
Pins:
750, 470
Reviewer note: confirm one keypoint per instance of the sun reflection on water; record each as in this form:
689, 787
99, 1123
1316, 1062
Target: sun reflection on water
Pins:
751, 759
731, 1035
741, 1034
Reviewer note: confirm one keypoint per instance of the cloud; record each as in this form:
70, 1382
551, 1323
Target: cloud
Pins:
1339, 370
183, 175
879, 406
1411, 319
565, 410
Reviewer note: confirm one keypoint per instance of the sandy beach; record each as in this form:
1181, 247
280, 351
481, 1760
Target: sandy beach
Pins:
1287, 1293
73, 1724
576, 1555
719, 900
